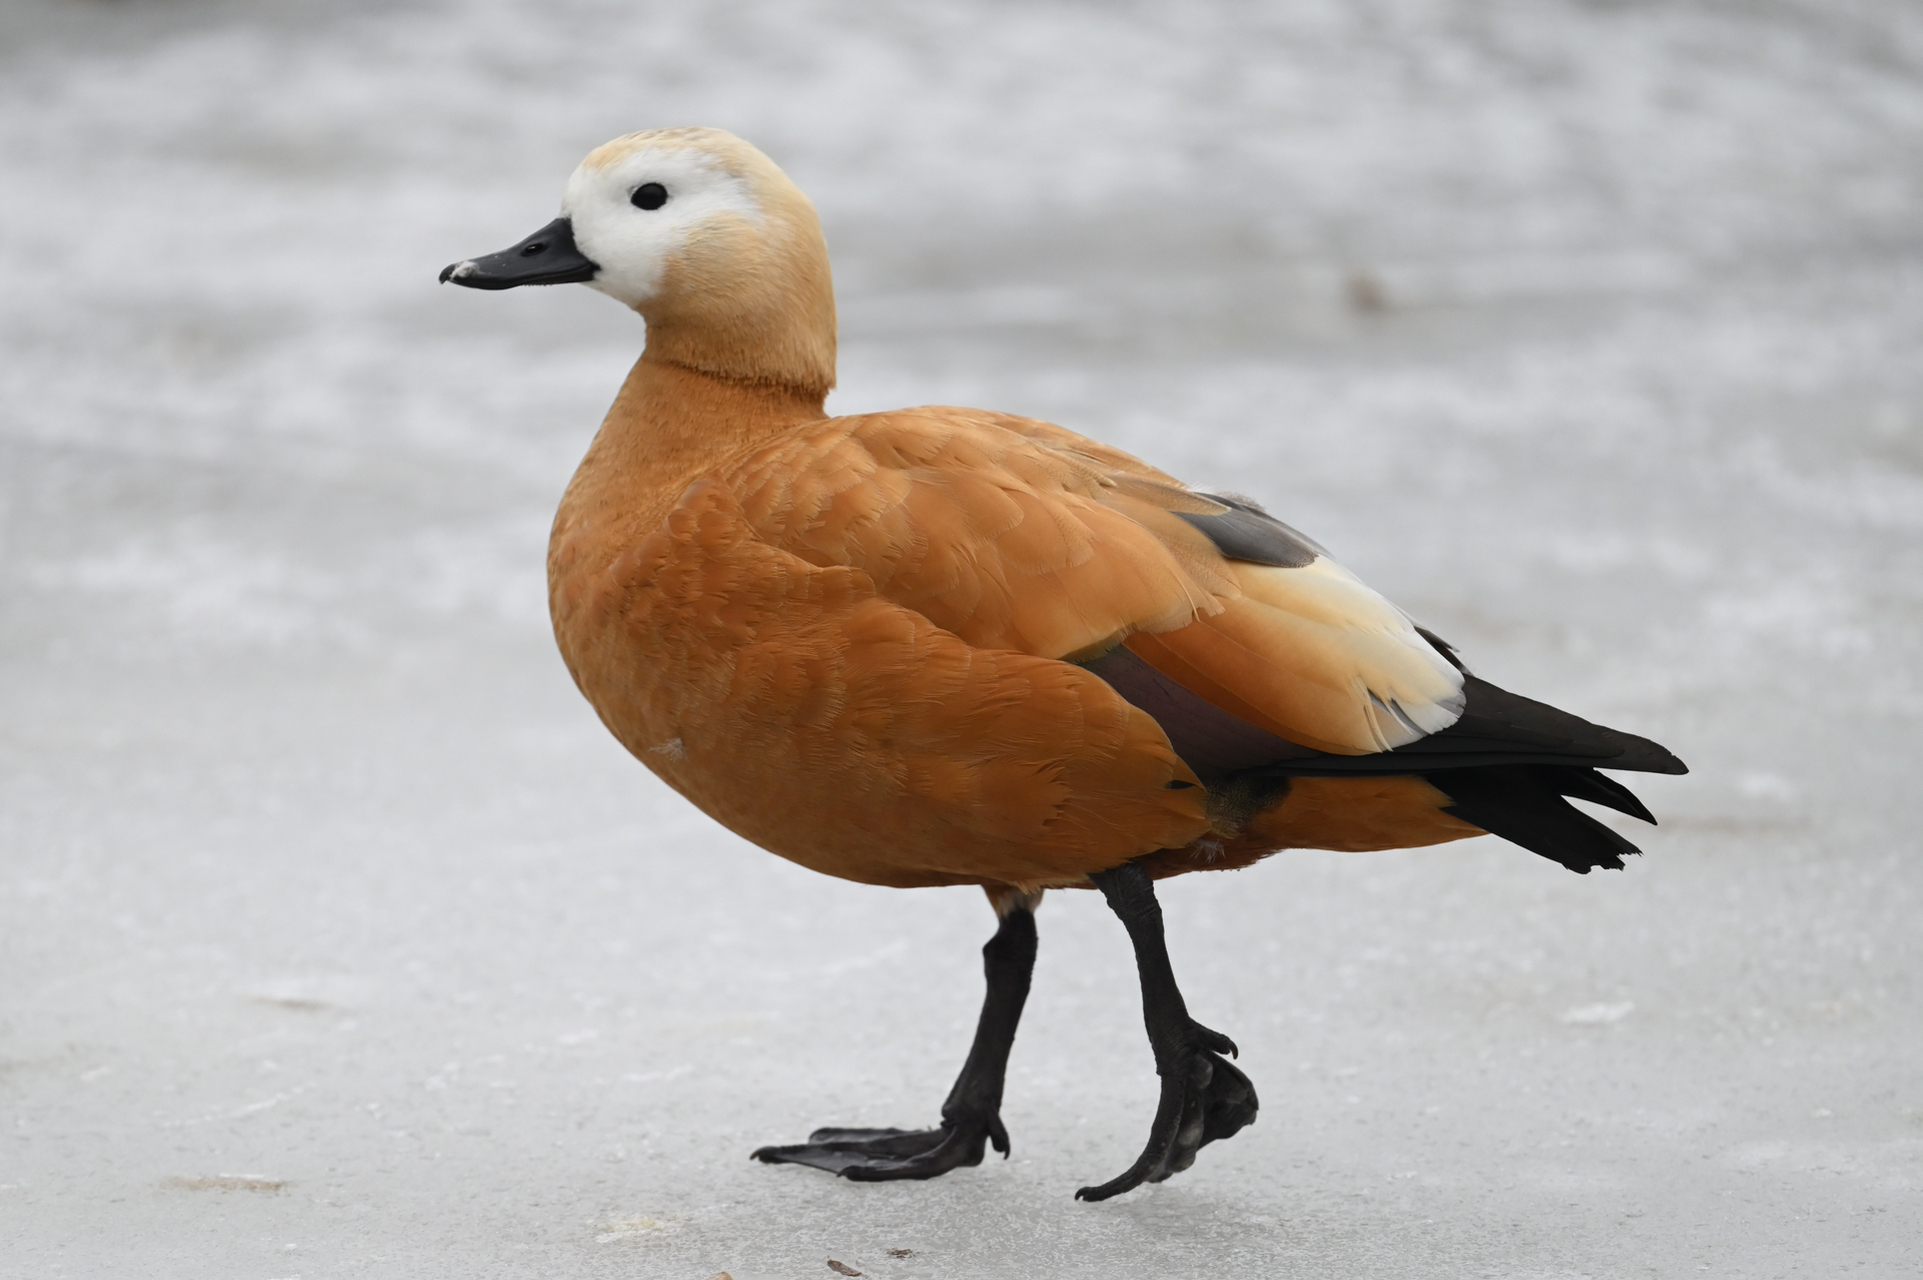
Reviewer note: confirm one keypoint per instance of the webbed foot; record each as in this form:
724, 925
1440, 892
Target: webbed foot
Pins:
971, 1117
1203, 1098
883, 1155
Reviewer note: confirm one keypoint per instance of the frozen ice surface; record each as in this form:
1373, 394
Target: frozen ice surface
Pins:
338, 939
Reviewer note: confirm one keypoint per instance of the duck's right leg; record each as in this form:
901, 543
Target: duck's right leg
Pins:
1204, 1099
971, 1118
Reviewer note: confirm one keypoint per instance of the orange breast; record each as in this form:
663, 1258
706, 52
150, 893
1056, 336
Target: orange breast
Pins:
848, 733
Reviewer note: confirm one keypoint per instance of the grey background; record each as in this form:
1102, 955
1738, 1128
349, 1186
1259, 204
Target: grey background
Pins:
338, 939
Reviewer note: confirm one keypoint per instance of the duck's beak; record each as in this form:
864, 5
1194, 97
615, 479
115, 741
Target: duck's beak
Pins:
546, 257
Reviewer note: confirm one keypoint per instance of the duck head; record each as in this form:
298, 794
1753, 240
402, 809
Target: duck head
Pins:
704, 236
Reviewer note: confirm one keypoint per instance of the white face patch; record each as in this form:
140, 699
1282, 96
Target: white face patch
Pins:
632, 245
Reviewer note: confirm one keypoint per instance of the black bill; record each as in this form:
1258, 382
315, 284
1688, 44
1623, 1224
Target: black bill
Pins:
546, 257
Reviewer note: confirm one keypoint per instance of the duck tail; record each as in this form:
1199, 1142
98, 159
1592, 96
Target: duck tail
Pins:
1526, 805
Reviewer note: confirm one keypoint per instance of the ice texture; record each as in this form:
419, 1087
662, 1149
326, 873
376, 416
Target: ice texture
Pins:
339, 939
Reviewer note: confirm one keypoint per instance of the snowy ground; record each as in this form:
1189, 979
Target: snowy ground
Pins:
338, 939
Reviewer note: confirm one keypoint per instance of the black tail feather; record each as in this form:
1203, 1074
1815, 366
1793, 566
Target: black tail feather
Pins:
1524, 804
1495, 718
1597, 788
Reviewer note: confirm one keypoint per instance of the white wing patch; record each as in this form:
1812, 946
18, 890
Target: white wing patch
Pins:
1407, 690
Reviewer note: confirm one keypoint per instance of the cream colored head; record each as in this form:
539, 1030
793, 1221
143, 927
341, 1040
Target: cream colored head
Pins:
728, 265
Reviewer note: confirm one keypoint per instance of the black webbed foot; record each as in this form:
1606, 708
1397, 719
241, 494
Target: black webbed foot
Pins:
971, 1118
1203, 1098
883, 1155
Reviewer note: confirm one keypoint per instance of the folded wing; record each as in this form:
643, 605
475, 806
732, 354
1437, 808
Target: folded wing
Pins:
1018, 535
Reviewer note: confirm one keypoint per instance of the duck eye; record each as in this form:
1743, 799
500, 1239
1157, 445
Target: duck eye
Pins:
649, 195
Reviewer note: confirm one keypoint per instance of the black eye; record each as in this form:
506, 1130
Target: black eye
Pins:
649, 195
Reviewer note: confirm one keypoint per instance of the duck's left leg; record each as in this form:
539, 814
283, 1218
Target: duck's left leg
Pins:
971, 1118
1203, 1097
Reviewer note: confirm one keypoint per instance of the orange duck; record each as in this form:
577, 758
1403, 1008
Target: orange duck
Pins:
948, 646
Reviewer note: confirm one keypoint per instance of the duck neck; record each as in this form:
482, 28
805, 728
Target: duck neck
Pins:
772, 327
669, 426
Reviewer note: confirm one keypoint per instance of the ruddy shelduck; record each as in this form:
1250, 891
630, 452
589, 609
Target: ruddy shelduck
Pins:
946, 646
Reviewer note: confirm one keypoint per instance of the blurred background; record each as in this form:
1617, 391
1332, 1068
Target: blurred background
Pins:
338, 939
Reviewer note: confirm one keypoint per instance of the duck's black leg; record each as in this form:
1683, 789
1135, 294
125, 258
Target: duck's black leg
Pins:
1203, 1097
971, 1117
